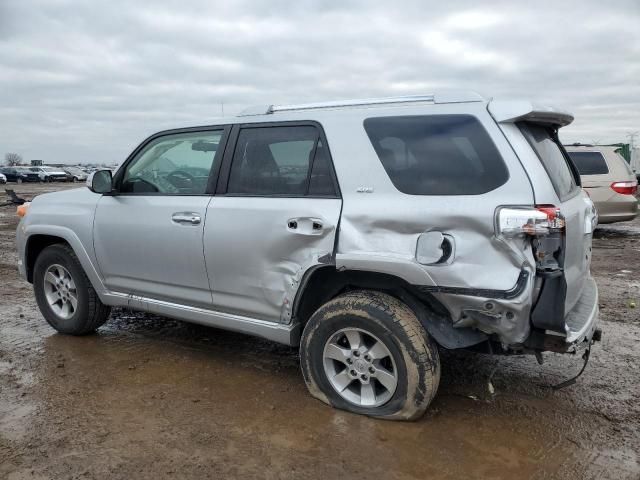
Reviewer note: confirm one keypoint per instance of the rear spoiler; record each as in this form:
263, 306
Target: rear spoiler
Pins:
511, 111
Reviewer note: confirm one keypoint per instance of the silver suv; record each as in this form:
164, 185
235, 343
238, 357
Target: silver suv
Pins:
368, 232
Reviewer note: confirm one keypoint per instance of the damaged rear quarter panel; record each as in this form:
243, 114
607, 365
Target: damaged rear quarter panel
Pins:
380, 225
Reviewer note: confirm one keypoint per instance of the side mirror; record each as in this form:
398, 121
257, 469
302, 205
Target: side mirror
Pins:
100, 181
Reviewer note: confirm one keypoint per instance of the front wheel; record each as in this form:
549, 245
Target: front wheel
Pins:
366, 352
64, 294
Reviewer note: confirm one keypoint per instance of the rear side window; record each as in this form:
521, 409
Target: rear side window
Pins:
625, 163
281, 161
437, 154
548, 150
589, 163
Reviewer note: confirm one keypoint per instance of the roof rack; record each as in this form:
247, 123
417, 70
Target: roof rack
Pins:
445, 97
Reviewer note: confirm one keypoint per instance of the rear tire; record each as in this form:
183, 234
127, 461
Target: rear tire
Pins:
367, 353
64, 294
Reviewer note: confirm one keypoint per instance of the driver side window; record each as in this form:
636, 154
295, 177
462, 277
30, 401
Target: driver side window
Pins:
177, 164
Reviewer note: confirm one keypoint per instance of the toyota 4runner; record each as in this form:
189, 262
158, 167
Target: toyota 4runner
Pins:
368, 232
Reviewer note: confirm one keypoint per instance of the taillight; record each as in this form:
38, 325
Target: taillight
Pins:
535, 221
625, 188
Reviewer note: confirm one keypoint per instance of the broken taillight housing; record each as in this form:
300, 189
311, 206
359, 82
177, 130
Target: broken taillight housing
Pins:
625, 188
534, 221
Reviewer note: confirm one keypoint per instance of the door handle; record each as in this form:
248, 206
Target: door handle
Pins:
307, 226
190, 218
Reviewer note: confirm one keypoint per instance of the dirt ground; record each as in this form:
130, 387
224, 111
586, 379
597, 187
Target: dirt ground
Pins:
149, 397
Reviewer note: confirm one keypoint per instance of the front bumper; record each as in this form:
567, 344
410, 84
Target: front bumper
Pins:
20, 247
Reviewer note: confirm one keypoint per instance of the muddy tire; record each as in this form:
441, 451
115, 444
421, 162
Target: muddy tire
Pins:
64, 294
352, 347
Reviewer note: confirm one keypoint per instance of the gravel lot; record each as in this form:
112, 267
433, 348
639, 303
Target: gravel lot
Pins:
149, 397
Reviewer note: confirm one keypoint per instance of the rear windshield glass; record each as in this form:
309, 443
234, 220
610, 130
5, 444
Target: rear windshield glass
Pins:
589, 163
437, 154
552, 158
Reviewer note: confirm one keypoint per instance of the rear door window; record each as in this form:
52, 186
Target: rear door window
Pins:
437, 154
281, 161
589, 163
552, 157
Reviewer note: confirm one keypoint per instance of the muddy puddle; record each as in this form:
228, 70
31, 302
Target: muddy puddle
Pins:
149, 397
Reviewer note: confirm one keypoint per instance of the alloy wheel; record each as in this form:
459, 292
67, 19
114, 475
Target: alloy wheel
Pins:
360, 367
60, 291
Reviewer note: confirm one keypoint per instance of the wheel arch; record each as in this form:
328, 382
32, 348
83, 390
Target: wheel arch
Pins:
39, 237
324, 282
34, 246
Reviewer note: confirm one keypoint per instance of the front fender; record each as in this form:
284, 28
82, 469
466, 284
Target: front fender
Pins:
26, 232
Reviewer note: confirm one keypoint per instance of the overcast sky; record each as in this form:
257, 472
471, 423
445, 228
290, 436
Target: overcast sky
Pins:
86, 81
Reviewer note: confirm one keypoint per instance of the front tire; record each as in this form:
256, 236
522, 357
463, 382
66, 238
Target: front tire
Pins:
367, 353
64, 294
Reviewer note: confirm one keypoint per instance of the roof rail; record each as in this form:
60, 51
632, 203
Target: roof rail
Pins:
445, 97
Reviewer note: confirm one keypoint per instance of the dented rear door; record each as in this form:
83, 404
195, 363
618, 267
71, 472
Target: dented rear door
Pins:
275, 215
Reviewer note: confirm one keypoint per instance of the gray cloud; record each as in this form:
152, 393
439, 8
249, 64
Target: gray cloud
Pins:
86, 81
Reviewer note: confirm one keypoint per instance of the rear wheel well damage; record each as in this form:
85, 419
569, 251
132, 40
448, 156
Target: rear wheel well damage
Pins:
35, 245
324, 283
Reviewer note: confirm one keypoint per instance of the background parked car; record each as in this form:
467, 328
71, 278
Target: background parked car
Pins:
12, 174
50, 174
3, 179
74, 174
28, 175
609, 181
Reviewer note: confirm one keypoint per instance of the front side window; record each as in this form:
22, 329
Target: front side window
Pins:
437, 154
177, 164
280, 161
589, 163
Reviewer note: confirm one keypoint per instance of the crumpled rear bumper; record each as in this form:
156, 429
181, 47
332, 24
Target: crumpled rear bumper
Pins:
581, 326
582, 320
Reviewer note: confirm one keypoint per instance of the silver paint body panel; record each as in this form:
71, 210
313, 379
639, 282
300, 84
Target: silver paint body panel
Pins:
255, 261
141, 251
